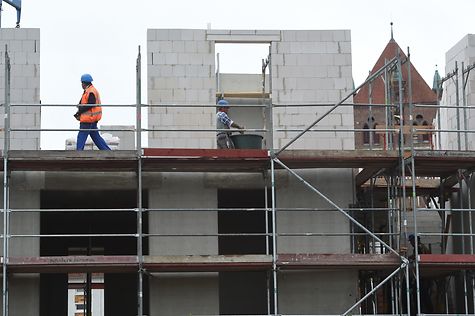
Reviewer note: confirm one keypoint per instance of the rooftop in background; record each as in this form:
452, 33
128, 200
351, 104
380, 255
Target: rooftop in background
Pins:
421, 92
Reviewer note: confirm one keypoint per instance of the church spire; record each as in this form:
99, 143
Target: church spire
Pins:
392, 37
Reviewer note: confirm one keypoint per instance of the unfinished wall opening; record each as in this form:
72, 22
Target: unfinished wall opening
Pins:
117, 287
242, 78
244, 286
242, 222
243, 58
85, 290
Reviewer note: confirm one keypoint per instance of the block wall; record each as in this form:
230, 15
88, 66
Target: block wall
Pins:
317, 292
124, 133
307, 67
24, 50
184, 294
459, 119
181, 71
181, 191
311, 67
24, 194
336, 185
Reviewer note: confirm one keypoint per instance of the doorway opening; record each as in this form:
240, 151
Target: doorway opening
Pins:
236, 287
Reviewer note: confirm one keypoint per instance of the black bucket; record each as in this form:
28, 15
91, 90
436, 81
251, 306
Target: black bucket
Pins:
247, 141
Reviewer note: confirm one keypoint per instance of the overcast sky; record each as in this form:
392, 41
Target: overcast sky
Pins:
101, 37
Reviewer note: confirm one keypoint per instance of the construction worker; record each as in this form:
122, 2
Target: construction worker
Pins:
223, 121
89, 115
421, 248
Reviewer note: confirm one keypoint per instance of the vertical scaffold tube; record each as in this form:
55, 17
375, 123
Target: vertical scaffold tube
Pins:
469, 197
139, 186
408, 294
413, 187
464, 106
457, 103
462, 231
267, 239
6, 192
274, 237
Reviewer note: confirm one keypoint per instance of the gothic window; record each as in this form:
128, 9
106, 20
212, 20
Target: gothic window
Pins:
368, 134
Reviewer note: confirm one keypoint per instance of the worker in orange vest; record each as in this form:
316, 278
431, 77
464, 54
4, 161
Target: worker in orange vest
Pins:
89, 115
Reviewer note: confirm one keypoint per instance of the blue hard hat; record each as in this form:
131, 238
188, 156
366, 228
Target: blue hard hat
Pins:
86, 78
223, 103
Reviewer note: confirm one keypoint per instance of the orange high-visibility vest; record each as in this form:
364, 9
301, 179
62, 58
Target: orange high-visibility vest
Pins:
94, 114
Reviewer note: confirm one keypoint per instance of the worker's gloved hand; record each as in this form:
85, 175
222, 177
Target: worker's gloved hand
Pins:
241, 129
77, 116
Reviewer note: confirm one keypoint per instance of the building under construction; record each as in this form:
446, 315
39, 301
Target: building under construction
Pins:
303, 225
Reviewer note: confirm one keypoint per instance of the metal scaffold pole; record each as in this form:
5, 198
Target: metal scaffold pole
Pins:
274, 239
138, 131
464, 106
402, 183
465, 75
457, 103
401, 149
336, 105
462, 236
469, 198
408, 293
342, 211
270, 145
413, 187
439, 88
270, 108
139, 186
6, 189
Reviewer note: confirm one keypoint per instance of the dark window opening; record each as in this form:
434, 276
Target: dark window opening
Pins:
120, 287
249, 287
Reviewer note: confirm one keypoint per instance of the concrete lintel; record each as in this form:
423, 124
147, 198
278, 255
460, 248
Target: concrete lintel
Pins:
236, 36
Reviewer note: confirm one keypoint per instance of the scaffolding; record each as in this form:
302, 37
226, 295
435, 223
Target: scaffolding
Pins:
381, 257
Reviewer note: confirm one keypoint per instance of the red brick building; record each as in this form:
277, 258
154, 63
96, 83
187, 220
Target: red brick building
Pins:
383, 117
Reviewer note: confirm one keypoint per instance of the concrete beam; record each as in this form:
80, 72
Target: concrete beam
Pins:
243, 36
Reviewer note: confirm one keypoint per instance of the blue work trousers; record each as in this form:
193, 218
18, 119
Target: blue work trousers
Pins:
96, 137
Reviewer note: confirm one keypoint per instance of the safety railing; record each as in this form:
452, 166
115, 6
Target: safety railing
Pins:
401, 137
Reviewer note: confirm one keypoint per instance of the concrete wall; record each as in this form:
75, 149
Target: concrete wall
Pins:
198, 293
307, 67
184, 294
463, 51
317, 292
126, 138
312, 67
24, 295
24, 194
182, 191
24, 51
181, 71
336, 185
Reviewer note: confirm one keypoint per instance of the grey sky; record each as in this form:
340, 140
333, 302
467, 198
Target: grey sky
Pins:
101, 37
